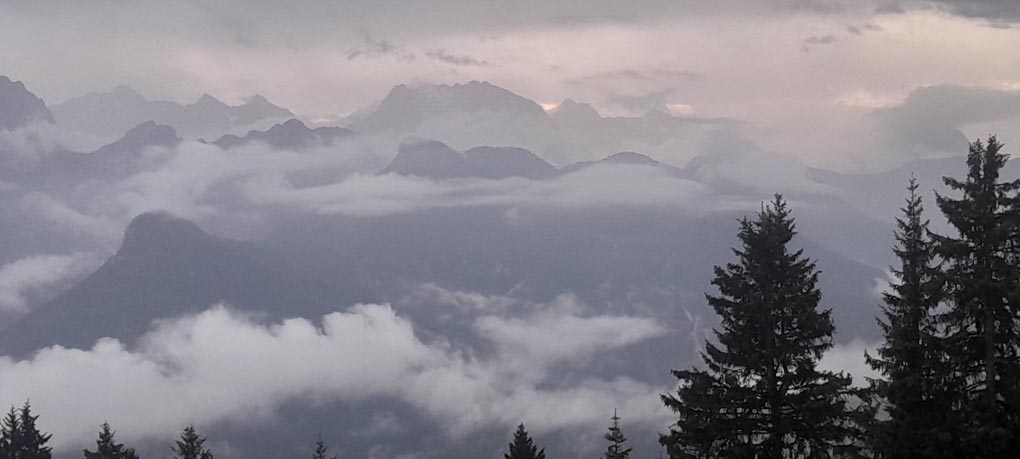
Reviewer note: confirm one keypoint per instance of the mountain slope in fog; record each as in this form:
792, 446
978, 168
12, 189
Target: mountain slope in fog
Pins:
165, 267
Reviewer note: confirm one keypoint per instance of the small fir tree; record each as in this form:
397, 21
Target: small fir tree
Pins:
523, 447
108, 448
22, 438
321, 449
191, 445
616, 439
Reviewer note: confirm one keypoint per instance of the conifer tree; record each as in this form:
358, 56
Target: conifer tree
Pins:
191, 445
911, 359
321, 449
982, 334
108, 448
10, 435
761, 394
20, 438
523, 447
616, 440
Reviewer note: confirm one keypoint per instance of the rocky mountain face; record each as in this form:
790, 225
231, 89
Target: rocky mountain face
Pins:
18, 106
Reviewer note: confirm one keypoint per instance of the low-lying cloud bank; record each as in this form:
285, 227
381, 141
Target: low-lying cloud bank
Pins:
371, 195
220, 365
252, 182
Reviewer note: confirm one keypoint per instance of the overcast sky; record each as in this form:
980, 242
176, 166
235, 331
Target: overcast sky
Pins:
775, 64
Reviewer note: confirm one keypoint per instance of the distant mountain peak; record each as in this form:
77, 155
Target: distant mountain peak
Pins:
625, 158
434, 159
572, 111
630, 157
18, 106
160, 230
122, 90
257, 99
209, 101
257, 108
406, 107
153, 133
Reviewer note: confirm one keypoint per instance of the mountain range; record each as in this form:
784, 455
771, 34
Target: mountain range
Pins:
497, 202
112, 113
289, 135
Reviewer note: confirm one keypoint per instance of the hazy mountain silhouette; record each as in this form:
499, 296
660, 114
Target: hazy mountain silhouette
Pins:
122, 156
502, 162
63, 170
434, 159
406, 108
164, 268
480, 113
18, 106
625, 158
880, 195
571, 112
289, 135
112, 113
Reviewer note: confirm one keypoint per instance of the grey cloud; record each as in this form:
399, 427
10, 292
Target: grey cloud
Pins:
644, 75
994, 11
657, 99
861, 29
578, 19
929, 121
455, 59
363, 195
821, 39
378, 48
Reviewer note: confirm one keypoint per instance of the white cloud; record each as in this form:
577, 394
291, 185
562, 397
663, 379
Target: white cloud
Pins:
883, 284
105, 229
36, 139
850, 358
599, 186
35, 274
219, 365
193, 180
465, 302
563, 330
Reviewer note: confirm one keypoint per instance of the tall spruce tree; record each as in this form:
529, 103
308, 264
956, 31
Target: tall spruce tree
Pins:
108, 448
191, 445
321, 450
20, 438
762, 394
616, 439
981, 326
911, 359
523, 447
